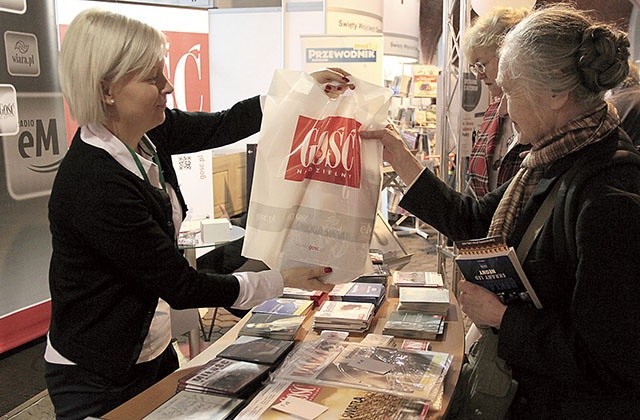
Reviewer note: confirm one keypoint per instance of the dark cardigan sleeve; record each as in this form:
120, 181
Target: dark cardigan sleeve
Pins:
188, 132
458, 216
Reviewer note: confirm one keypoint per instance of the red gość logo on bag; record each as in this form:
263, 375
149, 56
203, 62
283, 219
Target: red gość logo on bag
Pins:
326, 150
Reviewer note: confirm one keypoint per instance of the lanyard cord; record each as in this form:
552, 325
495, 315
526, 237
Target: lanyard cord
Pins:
154, 157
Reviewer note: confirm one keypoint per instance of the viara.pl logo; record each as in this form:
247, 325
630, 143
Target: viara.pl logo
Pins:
326, 150
22, 54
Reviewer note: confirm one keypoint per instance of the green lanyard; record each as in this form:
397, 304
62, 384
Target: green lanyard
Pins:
155, 159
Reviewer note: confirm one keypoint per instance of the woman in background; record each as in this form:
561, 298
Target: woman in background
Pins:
575, 357
115, 211
496, 154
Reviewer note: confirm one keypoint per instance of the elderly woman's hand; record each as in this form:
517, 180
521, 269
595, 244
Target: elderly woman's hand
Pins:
481, 306
335, 79
396, 152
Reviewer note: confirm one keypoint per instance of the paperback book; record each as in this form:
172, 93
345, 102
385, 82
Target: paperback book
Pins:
225, 376
265, 351
409, 324
417, 279
359, 292
382, 369
187, 405
344, 316
281, 327
284, 306
330, 403
424, 299
490, 263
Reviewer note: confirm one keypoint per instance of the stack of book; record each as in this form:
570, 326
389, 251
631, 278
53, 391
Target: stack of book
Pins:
316, 296
424, 299
280, 327
261, 350
280, 399
359, 292
414, 325
380, 273
417, 279
284, 306
226, 377
344, 316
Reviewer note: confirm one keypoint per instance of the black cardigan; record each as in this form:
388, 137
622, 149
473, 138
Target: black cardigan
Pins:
114, 251
578, 356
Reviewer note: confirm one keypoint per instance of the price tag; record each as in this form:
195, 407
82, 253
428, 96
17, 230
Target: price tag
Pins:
370, 365
300, 407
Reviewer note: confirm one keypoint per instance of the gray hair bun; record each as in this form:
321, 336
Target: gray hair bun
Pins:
602, 58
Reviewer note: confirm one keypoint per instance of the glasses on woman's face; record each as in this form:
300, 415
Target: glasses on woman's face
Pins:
477, 68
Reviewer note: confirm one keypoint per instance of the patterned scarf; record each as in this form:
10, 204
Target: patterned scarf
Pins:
587, 129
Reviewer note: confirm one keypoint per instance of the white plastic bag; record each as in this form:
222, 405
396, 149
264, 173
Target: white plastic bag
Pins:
316, 186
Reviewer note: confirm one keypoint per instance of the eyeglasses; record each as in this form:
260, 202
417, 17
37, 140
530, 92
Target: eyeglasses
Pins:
477, 68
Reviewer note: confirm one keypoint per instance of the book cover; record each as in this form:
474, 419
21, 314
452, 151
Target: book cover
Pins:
284, 306
341, 403
490, 263
345, 310
266, 351
225, 376
417, 279
283, 327
187, 405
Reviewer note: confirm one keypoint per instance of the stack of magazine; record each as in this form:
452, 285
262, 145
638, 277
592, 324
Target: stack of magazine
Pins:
330, 403
417, 374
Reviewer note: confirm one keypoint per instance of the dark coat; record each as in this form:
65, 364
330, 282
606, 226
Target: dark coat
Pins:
578, 356
114, 252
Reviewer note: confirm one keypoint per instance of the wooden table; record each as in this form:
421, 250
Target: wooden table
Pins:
452, 343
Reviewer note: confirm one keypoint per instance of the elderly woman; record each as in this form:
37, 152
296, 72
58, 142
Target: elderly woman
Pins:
115, 211
577, 356
496, 153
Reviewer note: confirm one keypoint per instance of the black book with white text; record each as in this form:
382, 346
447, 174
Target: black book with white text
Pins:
490, 263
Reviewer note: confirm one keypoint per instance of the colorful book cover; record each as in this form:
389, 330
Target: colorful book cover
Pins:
345, 310
341, 403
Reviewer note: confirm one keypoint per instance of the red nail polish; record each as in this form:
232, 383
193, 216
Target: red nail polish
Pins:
328, 270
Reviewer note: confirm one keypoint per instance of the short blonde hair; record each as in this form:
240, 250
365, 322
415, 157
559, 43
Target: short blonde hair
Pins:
102, 47
488, 30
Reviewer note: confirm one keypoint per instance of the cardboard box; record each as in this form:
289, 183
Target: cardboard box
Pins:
215, 230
